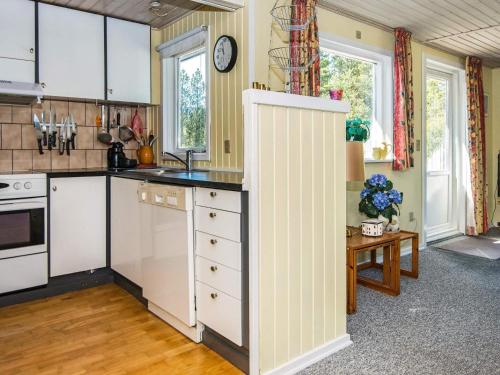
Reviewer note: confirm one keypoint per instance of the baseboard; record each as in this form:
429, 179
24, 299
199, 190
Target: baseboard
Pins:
305, 360
237, 355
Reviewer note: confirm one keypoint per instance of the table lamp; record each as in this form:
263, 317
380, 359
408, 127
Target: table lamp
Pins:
355, 169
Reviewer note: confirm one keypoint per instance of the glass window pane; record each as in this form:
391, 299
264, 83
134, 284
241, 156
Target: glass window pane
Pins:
436, 124
191, 106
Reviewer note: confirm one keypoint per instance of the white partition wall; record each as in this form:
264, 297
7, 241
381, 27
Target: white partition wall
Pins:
295, 175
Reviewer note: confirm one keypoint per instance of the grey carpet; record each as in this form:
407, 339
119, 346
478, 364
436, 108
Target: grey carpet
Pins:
482, 246
446, 322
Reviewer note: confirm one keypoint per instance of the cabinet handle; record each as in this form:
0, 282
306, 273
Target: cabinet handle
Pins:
212, 214
213, 268
213, 295
213, 194
43, 85
32, 50
110, 91
54, 188
213, 241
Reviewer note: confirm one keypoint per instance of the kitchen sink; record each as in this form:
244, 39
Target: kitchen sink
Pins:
162, 171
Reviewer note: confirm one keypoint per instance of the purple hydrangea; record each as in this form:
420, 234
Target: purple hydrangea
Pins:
378, 180
381, 201
395, 196
364, 193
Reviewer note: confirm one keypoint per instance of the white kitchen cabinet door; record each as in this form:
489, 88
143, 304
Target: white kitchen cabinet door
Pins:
77, 224
129, 61
17, 51
126, 258
71, 52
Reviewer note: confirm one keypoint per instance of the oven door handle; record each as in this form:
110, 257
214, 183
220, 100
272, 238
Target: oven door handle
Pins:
14, 206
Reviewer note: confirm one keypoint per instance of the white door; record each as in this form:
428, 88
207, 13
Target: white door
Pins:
443, 126
71, 52
77, 224
129, 61
126, 229
17, 51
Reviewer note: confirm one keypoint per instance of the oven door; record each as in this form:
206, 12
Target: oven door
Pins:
23, 227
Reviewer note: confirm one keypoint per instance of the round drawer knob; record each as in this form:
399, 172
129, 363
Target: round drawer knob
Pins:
213, 295
43, 85
54, 188
213, 241
213, 268
213, 194
212, 214
32, 50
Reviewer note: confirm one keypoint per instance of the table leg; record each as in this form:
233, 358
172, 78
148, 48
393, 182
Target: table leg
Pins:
351, 281
373, 257
414, 259
395, 267
387, 265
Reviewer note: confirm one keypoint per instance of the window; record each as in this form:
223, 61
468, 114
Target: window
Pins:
185, 99
365, 75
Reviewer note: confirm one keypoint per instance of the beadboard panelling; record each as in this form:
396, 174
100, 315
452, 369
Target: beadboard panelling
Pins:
226, 110
302, 211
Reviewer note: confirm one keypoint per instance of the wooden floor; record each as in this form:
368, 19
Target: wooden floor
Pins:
101, 330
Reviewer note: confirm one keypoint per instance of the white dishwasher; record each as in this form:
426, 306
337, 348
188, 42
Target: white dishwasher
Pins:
168, 255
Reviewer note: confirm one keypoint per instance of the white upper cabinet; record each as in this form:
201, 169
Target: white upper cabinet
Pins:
71, 52
223, 4
129, 61
17, 41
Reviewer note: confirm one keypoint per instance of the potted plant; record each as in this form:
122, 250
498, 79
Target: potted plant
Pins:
357, 130
380, 200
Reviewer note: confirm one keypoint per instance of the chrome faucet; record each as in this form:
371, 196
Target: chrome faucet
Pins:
188, 163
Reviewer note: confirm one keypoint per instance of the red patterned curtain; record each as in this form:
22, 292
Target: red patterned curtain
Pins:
478, 222
305, 83
404, 138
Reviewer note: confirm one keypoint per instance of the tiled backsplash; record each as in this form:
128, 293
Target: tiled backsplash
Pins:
18, 146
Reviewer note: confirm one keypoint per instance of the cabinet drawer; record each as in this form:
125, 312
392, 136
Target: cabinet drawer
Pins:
219, 250
218, 276
221, 199
217, 222
220, 312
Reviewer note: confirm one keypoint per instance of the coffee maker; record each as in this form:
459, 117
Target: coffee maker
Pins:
117, 158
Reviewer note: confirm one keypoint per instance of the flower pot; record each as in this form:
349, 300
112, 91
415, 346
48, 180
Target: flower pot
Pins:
145, 155
391, 226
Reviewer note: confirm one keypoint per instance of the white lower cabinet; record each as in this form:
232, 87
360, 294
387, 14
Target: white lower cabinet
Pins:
77, 224
126, 257
219, 280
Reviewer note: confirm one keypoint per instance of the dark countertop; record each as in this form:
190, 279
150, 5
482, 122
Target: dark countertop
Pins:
200, 178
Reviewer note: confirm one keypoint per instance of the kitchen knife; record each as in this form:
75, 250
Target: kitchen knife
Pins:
69, 135
44, 129
62, 137
74, 130
39, 134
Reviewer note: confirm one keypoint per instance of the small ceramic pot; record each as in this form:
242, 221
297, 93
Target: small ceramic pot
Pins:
336, 94
145, 155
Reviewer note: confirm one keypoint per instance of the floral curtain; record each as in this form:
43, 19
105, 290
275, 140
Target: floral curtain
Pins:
478, 222
307, 82
404, 138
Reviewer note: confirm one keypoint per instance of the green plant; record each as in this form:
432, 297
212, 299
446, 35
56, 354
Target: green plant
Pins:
357, 130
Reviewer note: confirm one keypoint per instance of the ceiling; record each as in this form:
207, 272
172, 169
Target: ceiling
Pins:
134, 10
464, 27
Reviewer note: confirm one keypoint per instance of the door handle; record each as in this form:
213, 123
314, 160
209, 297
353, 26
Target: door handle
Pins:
213, 194
54, 188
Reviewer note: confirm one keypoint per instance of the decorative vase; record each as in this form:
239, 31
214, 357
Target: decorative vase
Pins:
393, 225
336, 94
145, 155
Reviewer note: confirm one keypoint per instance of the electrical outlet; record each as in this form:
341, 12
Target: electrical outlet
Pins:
412, 216
227, 146
358, 34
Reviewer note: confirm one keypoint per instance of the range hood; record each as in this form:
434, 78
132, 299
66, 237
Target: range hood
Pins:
12, 92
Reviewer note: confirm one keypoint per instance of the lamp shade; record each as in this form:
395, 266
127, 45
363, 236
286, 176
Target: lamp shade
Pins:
355, 159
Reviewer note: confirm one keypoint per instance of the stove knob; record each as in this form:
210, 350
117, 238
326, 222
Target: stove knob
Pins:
17, 186
27, 185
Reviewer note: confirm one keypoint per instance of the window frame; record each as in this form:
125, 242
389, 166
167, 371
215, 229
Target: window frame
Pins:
383, 72
189, 44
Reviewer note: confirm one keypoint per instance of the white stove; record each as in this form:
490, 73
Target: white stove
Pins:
23, 231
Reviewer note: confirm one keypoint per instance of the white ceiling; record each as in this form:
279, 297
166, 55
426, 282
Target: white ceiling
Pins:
134, 10
464, 27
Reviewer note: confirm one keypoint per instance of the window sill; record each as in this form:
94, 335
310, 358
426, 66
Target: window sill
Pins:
374, 161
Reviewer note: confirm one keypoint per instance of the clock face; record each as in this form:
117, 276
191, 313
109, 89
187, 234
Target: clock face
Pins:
225, 52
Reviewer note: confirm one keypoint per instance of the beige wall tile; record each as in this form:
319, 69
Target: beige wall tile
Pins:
11, 136
59, 161
94, 158
90, 113
42, 161
85, 138
61, 108
28, 137
77, 159
5, 114
104, 158
5, 160
22, 160
39, 108
21, 114
78, 111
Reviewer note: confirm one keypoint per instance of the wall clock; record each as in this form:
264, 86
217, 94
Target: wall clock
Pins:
225, 53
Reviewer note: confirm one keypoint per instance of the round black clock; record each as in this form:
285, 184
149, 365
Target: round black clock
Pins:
225, 53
